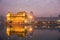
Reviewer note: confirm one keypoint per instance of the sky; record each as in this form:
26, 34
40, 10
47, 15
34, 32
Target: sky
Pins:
41, 8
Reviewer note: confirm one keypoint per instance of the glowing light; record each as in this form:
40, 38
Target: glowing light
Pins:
26, 21
24, 14
30, 17
25, 27
8, 31
8, 14
30, 29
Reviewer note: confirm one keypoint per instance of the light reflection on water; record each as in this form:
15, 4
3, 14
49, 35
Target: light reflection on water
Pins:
38, 35
46, 35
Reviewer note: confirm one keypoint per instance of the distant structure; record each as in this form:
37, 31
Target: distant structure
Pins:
31, 12
48, 18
